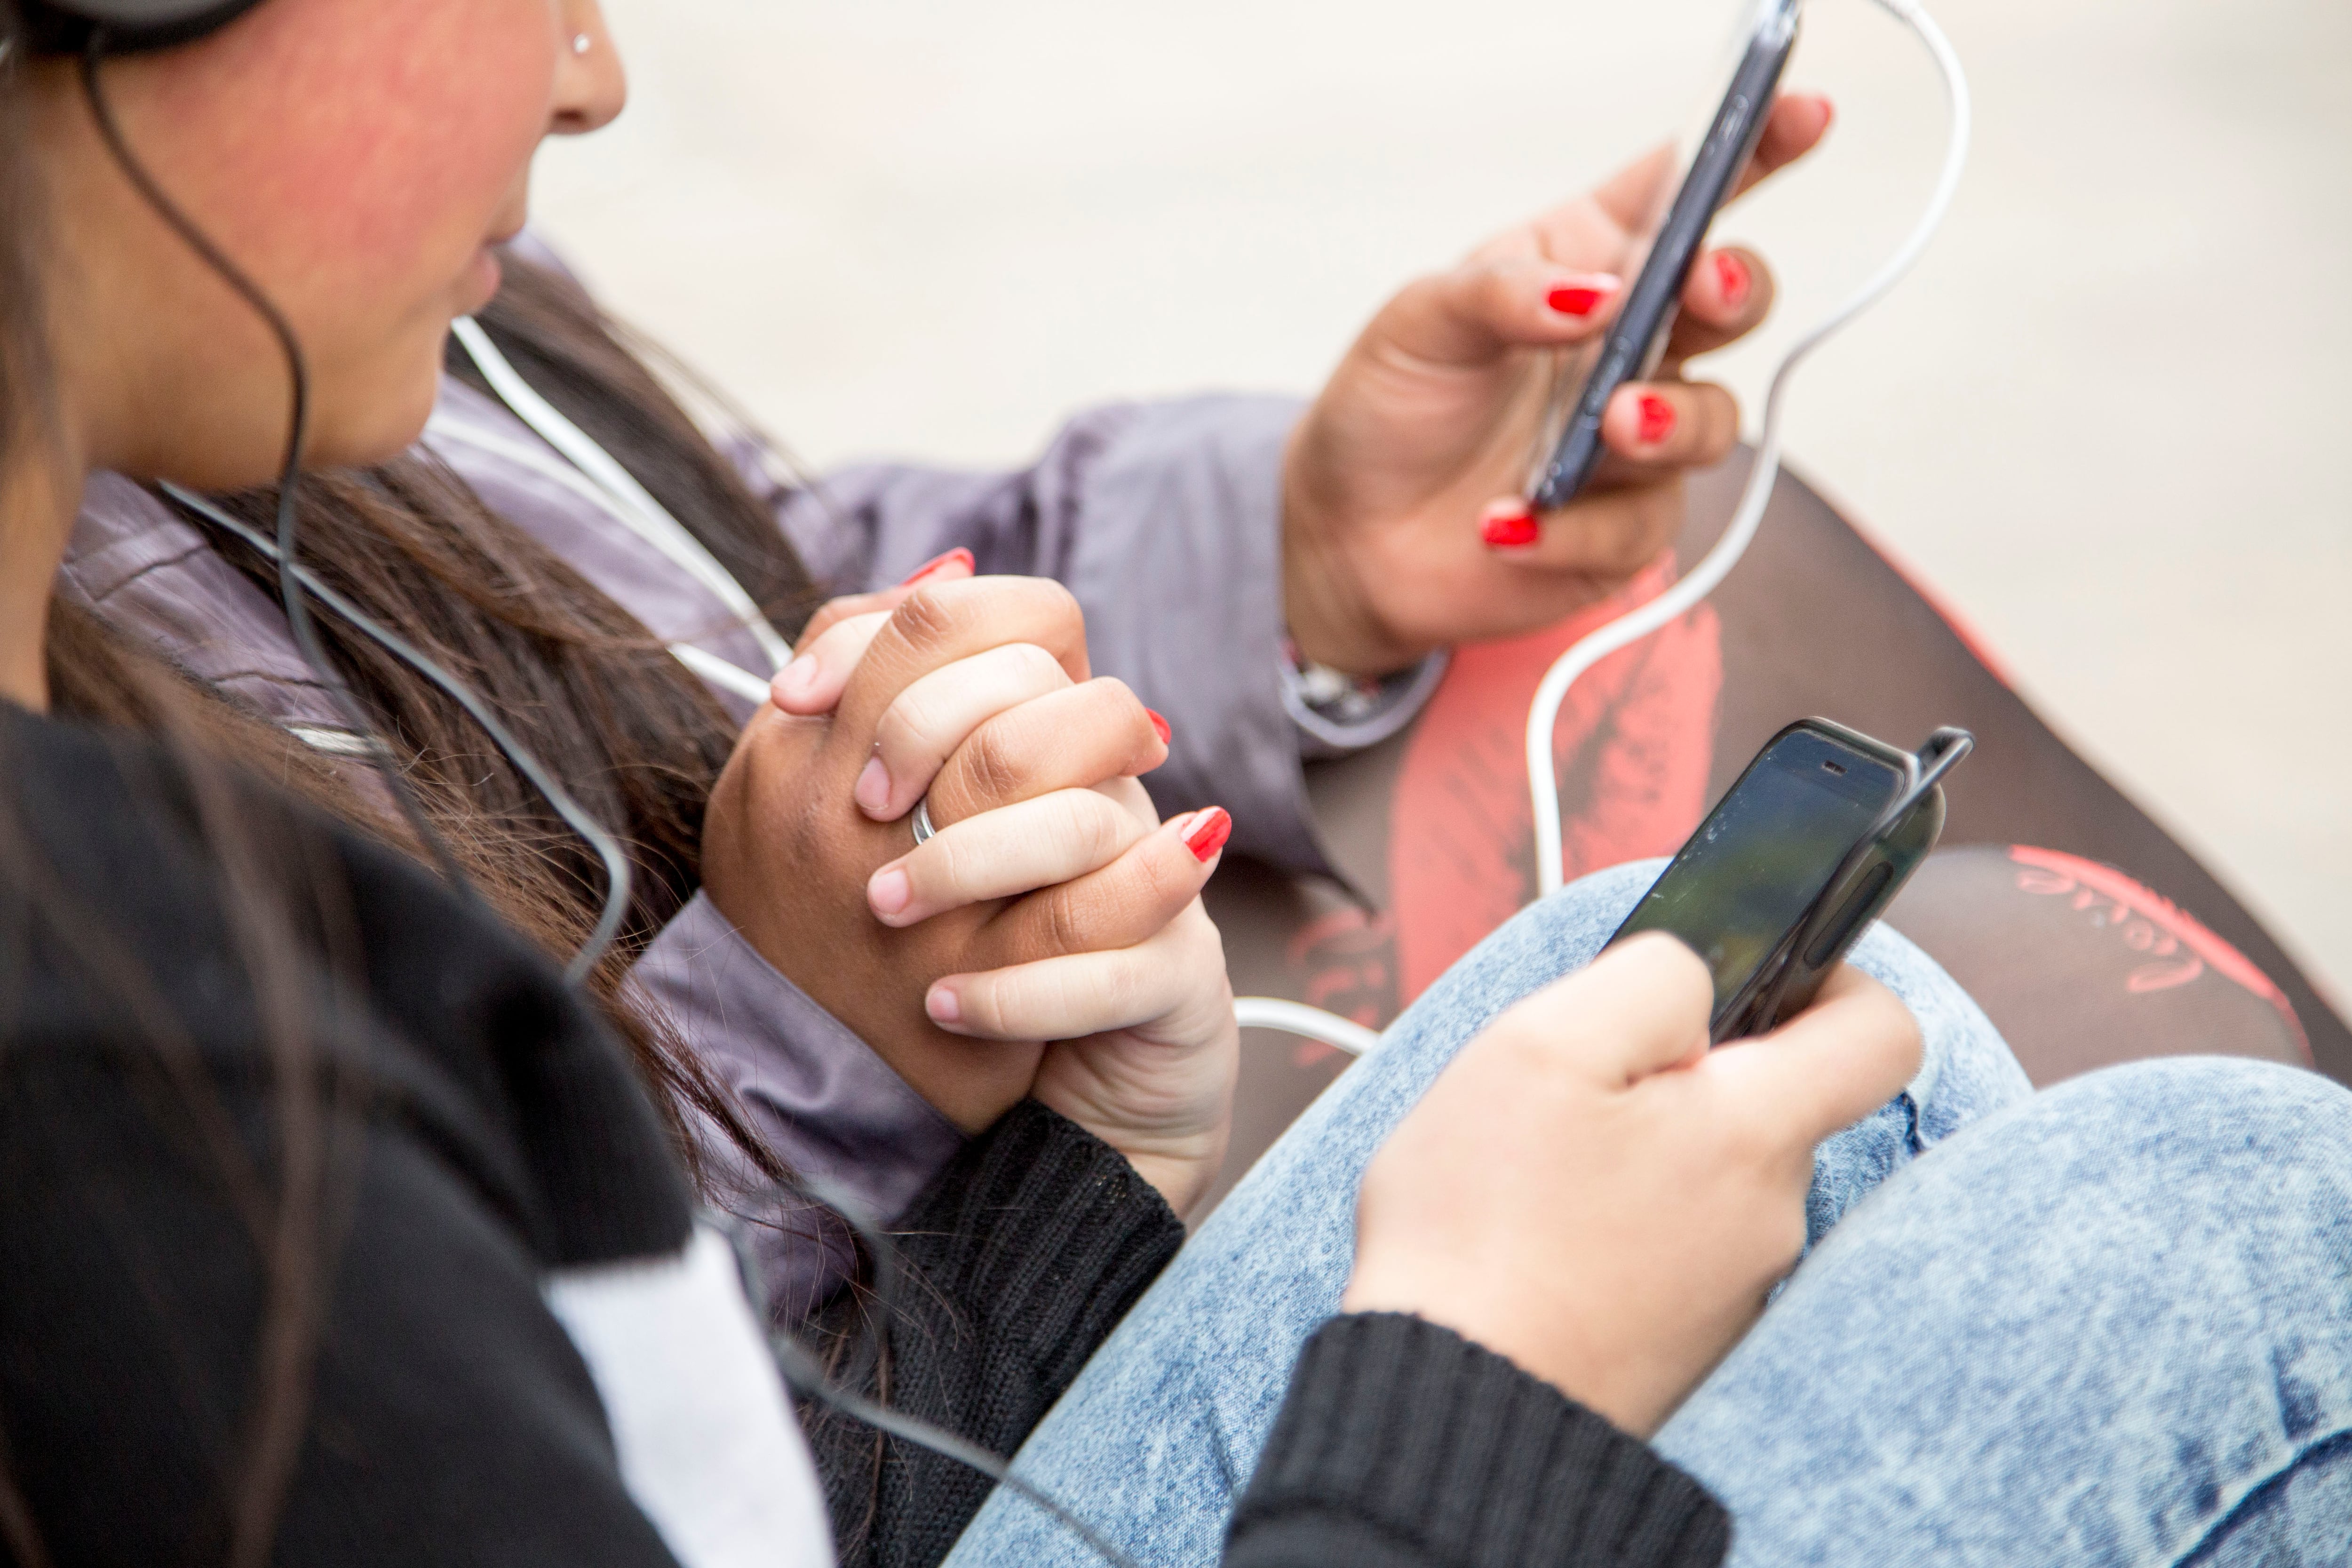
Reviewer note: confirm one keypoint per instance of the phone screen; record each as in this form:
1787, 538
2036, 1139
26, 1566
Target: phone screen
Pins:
1764, 853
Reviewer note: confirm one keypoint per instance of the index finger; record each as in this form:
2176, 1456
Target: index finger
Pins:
1840, 1060
940, 623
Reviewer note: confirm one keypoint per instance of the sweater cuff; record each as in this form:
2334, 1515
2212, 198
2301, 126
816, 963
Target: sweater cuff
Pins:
1047, 1232
1446, 1453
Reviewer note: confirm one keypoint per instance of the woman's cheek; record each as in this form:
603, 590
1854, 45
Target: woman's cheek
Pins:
356, 155
410, 186
416, 140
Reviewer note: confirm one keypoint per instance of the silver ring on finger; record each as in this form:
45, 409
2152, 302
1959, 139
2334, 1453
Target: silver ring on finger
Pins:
924, 831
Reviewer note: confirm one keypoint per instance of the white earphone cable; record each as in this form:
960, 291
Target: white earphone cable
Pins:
1298, 1018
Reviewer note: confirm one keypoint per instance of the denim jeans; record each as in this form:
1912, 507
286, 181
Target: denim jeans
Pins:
2111, 1324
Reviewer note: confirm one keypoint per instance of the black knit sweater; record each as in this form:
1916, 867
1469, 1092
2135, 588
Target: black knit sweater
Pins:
445, 1416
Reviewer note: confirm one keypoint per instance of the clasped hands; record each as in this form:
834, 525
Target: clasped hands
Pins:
1049, 940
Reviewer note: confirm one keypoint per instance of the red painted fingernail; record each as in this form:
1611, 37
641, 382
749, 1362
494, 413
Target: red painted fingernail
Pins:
941, 562
1159, 725
1731, 274
1583, 298
1207, 833
1509, 530
1657, 420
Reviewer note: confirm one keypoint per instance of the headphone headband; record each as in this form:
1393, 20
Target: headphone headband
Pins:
131, 26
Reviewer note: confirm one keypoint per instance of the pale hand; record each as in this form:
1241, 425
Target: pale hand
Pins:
1590, 1191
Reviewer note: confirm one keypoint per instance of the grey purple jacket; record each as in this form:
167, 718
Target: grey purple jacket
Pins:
1162, 519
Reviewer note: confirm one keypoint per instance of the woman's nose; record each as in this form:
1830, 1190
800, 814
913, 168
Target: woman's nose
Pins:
591, 86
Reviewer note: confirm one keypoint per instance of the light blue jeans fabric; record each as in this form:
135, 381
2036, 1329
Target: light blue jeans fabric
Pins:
2110, 1324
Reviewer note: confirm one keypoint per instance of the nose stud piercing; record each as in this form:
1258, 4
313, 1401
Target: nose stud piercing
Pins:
580, 43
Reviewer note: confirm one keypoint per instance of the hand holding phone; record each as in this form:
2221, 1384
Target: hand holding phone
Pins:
1591, 1193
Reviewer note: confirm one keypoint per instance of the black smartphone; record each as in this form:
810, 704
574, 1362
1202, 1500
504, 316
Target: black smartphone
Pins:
1751, 892
1572, 447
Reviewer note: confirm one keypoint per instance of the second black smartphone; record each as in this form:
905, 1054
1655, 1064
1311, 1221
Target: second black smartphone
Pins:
1638, 337
1751, 892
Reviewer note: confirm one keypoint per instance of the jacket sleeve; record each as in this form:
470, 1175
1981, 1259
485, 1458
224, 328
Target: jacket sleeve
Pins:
1401, 1444
1013, 1268
1164, 520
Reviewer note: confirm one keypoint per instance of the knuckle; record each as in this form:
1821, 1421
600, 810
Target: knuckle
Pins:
925, 617
1118, 993
947, 864
993, 760
1111, 689
1491, 291
1060, 607
986, 999
1114, 711
1063, 925
1153, 885
904, 723
1092, 826
1033, 666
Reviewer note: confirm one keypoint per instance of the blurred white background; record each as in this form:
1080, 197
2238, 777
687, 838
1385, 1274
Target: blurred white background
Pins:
2105, 416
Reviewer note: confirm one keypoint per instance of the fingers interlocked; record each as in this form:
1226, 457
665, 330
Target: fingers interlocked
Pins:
976, 696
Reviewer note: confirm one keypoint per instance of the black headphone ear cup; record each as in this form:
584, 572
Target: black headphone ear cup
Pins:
130, 27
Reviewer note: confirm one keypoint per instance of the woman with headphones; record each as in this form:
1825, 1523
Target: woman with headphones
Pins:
334, 1227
